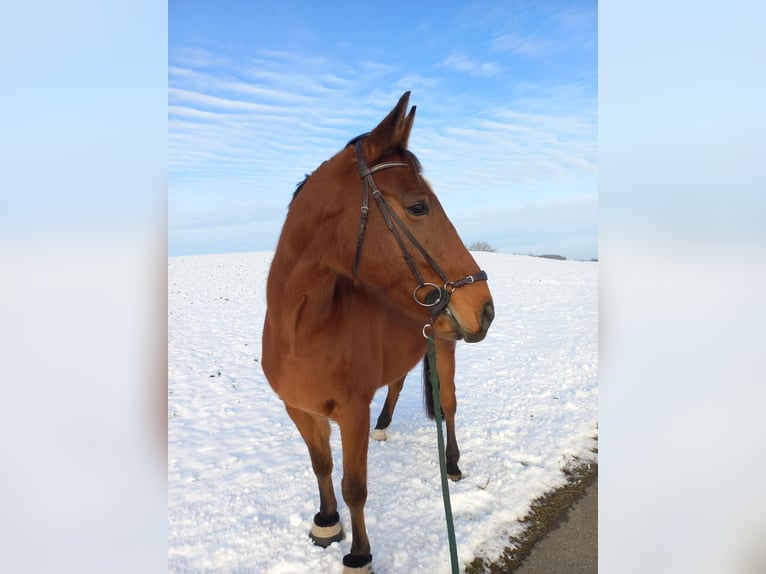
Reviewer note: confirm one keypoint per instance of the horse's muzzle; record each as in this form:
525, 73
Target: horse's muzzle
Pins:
486, 315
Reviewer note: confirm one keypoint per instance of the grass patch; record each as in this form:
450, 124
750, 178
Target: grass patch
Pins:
545, 514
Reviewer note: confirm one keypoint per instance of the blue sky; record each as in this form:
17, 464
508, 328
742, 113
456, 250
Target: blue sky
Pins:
506, 129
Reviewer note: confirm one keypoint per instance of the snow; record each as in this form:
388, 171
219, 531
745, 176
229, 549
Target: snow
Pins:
241, 492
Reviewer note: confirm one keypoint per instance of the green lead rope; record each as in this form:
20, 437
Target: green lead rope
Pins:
431, 354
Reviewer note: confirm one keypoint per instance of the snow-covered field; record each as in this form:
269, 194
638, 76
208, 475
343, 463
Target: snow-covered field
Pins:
241, 492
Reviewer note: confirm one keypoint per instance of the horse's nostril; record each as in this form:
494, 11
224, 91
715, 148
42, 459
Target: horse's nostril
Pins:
487, 315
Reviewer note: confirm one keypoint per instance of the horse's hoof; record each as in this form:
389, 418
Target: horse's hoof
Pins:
379, 434
454, 473
325, 531
357, 564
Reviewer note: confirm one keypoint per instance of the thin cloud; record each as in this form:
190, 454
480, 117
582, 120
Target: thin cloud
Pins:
261, 93
216, 102
547, 120
376, 68
518, 44
417, 83
578, 17
193, 113
500, 148
459, 62
193, 57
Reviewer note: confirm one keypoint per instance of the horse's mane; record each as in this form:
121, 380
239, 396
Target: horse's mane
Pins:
298, 189
409, 158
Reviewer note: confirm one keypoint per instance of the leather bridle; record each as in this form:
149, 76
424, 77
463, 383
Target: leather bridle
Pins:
436, 298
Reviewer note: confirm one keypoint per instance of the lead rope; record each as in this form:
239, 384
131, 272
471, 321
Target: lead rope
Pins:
431, 357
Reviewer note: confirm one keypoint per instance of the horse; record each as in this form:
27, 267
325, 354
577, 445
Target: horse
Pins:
445, 366
352, 294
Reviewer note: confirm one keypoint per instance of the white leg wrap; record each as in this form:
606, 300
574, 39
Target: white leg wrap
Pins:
379, 434
325, 535
322, 532
366, 569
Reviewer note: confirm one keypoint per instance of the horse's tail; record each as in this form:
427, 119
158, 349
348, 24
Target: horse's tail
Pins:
428, 397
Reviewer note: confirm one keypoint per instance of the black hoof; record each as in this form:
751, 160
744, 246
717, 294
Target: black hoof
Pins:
454, 473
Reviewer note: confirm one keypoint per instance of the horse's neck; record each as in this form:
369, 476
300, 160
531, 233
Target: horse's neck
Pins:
305, 299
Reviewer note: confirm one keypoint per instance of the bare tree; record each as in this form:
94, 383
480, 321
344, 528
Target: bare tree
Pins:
481, 246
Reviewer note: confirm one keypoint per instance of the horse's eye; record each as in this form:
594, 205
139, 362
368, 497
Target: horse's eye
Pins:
419, 208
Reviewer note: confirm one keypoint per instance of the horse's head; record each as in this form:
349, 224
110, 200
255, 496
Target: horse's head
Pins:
403, 241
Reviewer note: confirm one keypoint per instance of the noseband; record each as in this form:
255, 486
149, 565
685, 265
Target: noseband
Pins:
429, 295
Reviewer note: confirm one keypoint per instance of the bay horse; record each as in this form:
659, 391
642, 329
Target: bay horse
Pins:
445, 366
351, 294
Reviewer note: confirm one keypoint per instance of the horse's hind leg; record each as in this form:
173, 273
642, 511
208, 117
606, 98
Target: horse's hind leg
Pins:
354, 425
445, 365
392, 396
315, 431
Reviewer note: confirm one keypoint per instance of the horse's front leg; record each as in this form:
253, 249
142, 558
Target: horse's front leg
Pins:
315, 431
354, 425
445, 366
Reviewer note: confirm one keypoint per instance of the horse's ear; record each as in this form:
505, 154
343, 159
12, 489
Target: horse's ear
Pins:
409, 120
392, 132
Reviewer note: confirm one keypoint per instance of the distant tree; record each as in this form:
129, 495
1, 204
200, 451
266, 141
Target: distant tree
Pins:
481, 246
559, 257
